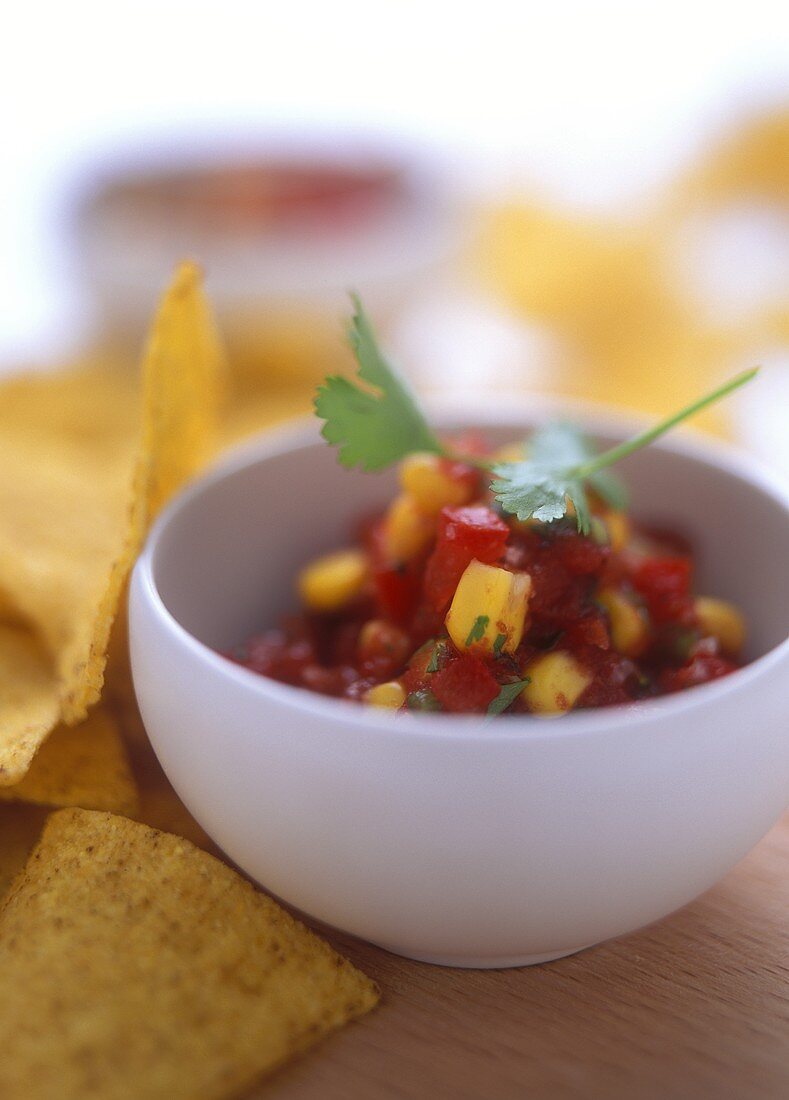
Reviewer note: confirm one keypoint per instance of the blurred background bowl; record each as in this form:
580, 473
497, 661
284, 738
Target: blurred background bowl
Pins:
285, 226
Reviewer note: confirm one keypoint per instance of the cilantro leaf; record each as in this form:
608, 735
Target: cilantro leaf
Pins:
373, 428
562, 462
532, 491
376, 425
478, 628
540, 486
506, 697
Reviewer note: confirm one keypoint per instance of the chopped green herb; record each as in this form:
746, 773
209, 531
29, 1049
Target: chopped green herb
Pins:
422, 699
683, 642
477, 632
507, 696
439, 650
499, 642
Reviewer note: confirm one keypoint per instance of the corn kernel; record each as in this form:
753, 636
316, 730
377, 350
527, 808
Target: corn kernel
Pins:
723, 621
618, 527
629, 626
424, 479
407, 529
488, 610
557, 681
390, 694
330, 582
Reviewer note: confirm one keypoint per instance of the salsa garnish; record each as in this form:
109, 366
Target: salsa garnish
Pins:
496, 582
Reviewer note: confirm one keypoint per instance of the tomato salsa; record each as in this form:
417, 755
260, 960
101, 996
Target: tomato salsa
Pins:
445, 602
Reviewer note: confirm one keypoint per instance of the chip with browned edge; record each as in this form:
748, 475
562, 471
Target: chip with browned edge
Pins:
76, 497
20, 828
135, 965
84, 765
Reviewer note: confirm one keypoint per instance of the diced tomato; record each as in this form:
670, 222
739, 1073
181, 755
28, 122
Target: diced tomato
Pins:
664, 582
591, 629
328, 681
466, 685
396, 592
475, 529
464, 533
273, 654
382, 649
396, 587
616, 679
579, 555
698, 670
462, 473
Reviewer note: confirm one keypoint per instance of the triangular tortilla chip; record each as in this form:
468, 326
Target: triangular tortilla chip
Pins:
76, 504
20, 828
84, 765
136, 965
29, 706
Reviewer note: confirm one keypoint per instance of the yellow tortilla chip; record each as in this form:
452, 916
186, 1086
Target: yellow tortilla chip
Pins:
134, 964
77, 495
28, 701
182, 380
20, 828
84, 765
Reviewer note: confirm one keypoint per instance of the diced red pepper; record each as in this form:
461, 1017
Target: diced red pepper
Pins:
466, 685
664, 583
591, 629
698, 670
462, 473
464, 533
396, 587
578, 554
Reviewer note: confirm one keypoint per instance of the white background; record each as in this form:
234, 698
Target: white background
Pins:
593, 102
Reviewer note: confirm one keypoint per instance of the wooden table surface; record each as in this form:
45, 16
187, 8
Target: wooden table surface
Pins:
694, 1007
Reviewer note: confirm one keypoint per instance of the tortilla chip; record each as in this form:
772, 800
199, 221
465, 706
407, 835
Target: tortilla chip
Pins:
136, 965
77, 496
181, 384
28, 700
183, 376
83, 765
20, 828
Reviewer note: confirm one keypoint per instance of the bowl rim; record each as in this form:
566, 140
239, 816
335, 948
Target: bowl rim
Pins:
595, 418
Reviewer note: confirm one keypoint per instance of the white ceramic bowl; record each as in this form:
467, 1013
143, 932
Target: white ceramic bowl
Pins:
443, 838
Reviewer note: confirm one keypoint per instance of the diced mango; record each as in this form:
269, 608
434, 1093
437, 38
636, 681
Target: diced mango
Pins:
557, 681
330, 582
390, 694
618, 528
424, 478
723, 621
488, 610
407, 529
629, 625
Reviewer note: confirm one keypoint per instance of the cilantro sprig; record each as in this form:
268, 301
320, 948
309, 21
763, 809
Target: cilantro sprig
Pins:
373, 429
376, 424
